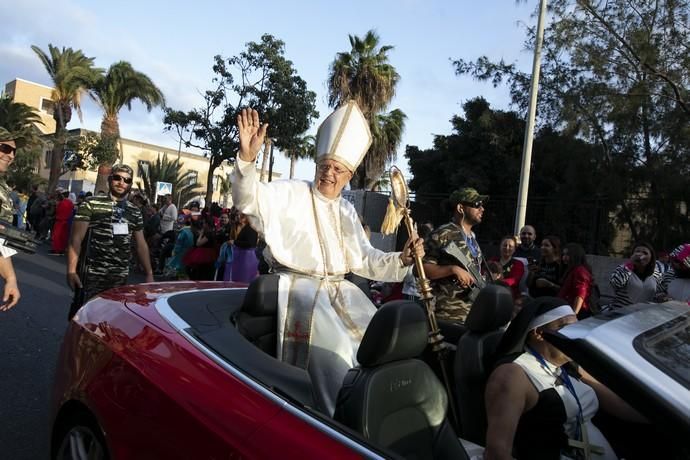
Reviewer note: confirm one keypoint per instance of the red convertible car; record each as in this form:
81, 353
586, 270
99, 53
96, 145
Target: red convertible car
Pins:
185, 370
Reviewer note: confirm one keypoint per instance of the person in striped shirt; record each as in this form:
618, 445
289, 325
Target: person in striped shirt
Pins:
637, 280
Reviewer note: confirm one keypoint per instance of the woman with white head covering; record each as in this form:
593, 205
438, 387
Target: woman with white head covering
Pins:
537, 410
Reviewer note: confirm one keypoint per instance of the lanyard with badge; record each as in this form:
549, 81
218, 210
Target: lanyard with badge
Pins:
582, 438
120, 227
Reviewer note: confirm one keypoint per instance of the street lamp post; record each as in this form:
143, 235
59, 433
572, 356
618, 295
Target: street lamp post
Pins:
529, 129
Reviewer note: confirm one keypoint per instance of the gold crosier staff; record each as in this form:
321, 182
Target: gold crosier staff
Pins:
398, 209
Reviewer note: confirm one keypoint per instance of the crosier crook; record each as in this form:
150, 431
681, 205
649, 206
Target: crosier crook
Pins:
439, 347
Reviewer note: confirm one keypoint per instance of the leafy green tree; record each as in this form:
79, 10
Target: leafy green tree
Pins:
484, 152
273, 87
88, 150
163, 170
617, 74
365, 75
260, 77
72, 73
114, 90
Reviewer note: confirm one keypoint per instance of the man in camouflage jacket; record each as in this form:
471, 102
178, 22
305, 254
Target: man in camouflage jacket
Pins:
113, 221
9, 143
452, 283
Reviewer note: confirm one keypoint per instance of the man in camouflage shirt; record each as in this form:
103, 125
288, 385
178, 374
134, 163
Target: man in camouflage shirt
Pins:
452, 283
9, 143
112, 220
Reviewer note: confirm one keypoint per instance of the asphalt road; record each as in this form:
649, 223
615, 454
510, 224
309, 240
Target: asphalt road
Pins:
30, 338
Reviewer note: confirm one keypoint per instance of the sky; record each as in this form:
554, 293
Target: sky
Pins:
174, 43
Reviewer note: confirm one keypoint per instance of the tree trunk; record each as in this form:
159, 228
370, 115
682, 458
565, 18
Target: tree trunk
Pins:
56, 158
358, 181
293, 161
110, 129
62, 116
209, 185
264, 160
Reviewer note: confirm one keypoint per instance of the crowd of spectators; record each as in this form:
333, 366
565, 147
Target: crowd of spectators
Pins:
202, 244
212, 243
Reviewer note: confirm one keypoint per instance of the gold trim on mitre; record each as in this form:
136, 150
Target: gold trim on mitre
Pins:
344, 136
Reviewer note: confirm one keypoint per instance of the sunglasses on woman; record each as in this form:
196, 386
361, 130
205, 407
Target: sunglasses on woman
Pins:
119, 178
7, 149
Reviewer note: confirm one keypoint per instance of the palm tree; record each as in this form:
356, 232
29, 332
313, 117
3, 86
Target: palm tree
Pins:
382, 183
117, 88
305, 148
21, 119
163, 170
386, 131
365, 75
71, 73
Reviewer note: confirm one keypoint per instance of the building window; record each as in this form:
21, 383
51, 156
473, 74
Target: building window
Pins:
144, 167
216, 183
47, 158
193, 177
47, 106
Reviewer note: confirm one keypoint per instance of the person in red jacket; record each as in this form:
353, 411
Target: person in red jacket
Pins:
577, 280
512, 269
64, 210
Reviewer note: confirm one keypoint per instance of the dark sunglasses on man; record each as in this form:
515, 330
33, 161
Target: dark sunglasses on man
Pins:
119, 178
7, 149
474, 204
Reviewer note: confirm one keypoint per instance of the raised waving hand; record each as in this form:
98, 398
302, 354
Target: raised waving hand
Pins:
251, 133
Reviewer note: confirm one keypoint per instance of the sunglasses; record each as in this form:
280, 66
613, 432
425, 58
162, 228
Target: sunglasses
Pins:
119, 178
7, 149
474, 204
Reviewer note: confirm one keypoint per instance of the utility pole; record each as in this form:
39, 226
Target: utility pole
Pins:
529, 129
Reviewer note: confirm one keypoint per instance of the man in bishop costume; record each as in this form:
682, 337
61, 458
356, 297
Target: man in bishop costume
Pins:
313, 239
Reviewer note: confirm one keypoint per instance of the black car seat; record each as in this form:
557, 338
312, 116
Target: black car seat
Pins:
394, 399
257, 319
490, 312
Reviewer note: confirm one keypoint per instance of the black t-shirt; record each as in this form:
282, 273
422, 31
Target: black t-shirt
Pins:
551, 271
533, 253
247, 238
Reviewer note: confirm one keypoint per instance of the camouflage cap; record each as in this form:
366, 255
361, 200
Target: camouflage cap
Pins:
467, 195
6, 135
123, 168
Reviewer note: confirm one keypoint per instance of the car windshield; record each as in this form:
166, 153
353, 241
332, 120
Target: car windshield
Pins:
668, 348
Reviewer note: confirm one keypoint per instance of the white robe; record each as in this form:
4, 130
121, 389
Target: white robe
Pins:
321, 318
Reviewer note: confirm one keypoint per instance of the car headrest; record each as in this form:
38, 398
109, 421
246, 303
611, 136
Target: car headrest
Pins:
399, 330
261, 298
492, 309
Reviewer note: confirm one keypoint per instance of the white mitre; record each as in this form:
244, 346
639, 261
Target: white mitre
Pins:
344, 136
